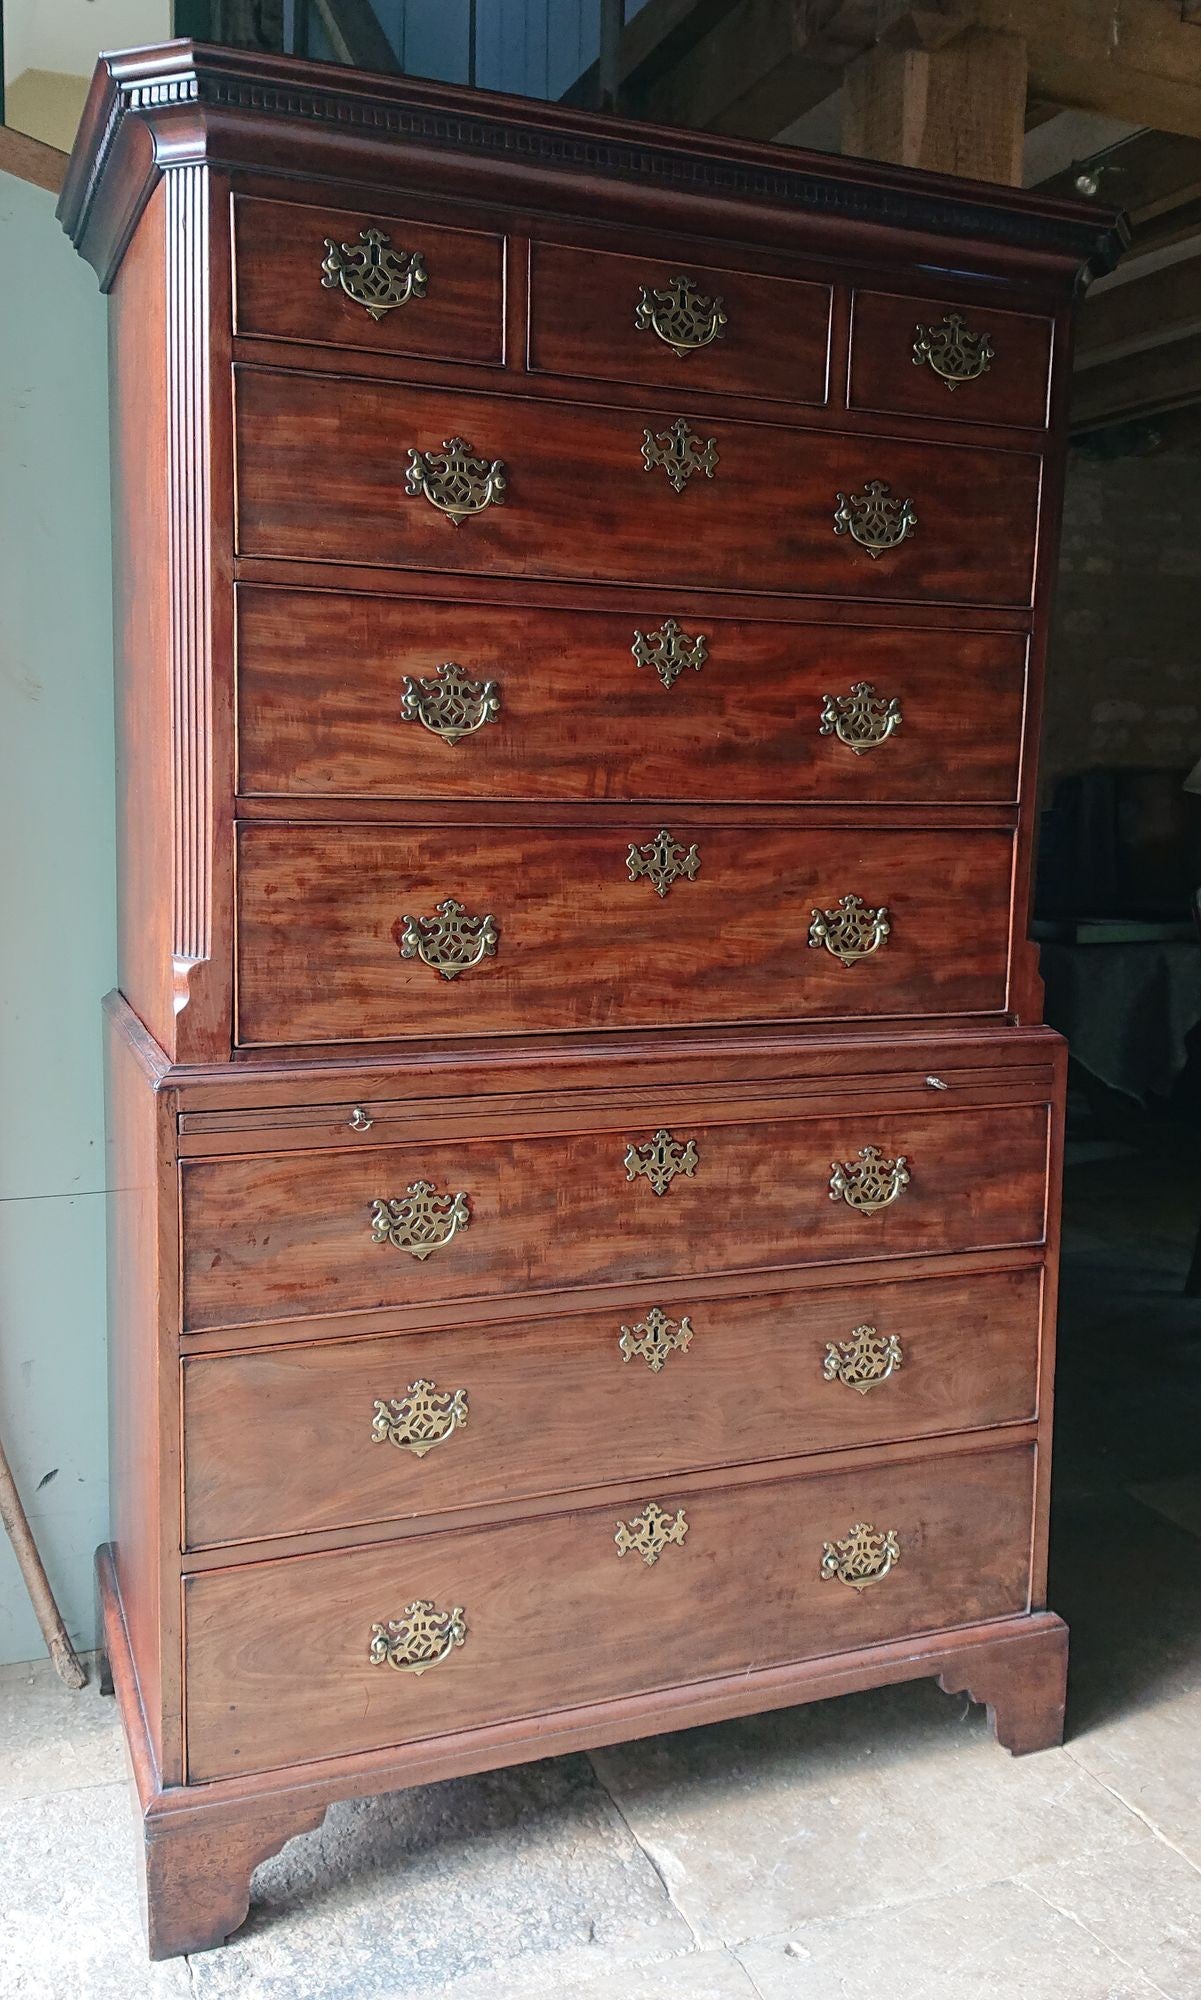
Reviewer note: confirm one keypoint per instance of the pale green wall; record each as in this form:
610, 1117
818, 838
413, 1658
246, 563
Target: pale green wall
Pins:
57, 922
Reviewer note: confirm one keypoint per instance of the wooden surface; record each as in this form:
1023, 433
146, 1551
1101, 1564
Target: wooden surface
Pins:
745, 1586
272, 1239
279, 248
321, 475
554, 1404
322, 676
31, 159
322, 920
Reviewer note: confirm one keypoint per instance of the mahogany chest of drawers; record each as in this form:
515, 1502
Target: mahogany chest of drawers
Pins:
585, 1155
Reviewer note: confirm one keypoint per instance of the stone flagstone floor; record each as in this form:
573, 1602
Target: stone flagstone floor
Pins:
879, 1847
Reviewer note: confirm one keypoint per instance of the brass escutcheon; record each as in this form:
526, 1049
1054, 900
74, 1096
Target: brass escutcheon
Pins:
373, 274
419, 1221
680, 314
863, 1361
865, 1557
953, 351
650, 1532
421, 1638
423, 1417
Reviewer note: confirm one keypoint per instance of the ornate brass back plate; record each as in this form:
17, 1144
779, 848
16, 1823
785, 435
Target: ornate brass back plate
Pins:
454, 481
449, 704
654, 1338
373, 274
680, 452
660, 1159
421, 1638
669, 651
862, 719
866, 1556
952, 350
663, 861
450, 941
680, 314
420, 1221
869, 1183
872, 519
423, 1417
650, 1532
851, 931
864, 1360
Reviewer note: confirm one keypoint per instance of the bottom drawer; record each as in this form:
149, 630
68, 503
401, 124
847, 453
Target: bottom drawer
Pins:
542, 1614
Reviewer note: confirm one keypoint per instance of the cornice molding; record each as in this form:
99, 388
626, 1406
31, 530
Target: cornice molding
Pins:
186, 95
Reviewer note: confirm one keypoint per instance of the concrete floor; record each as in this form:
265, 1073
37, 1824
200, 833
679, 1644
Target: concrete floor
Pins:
879, 1847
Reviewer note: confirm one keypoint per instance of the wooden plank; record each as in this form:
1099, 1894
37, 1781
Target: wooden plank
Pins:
958, 108
1138, 385
31, 160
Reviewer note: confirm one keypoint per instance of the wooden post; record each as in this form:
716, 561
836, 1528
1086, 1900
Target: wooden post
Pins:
958, 108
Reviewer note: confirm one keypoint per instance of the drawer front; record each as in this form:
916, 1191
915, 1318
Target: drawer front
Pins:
342, 695
312, 274
286, 1440
324, 467
932, 358
341, 937
291, 1235
550, 1614
677, 324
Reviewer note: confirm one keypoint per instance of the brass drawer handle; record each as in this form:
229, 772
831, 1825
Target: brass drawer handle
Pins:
450, 942
652, 1339
872, 519
869, 1183
449, 704
669, 651
680, 314
680, 452
862, 719
953, 351
373, 274
650, 1532
420, 1221
863, 1361
866, 1556
421, 1638
663, 861
851, 931
454, 481
660, 1159
423, 1417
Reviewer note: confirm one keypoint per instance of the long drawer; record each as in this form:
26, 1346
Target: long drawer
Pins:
326, 472
371, 932
286, 1440
314, 1656
271, 1237
409, 697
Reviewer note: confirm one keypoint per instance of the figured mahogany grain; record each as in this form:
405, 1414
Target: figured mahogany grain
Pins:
279, 248
269, 1238
555, 1404
744, 1589
775, 342
322, 475
884, 376
322, 677
581, 945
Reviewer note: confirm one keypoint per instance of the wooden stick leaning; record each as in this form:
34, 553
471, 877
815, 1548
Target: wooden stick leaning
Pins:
54, 1632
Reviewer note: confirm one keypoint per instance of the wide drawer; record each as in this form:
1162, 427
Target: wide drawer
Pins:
373, 932
931, 358
538, 1615
403, 697
285, 1440
270, 1237
326, 472
367, 281
674, 323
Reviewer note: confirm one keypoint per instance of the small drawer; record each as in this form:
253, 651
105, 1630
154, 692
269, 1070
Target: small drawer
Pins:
373, 932
288, 1440
371, 1228
430, 479
354, 696
964, 363
321, 1656
376, 282
678, 324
